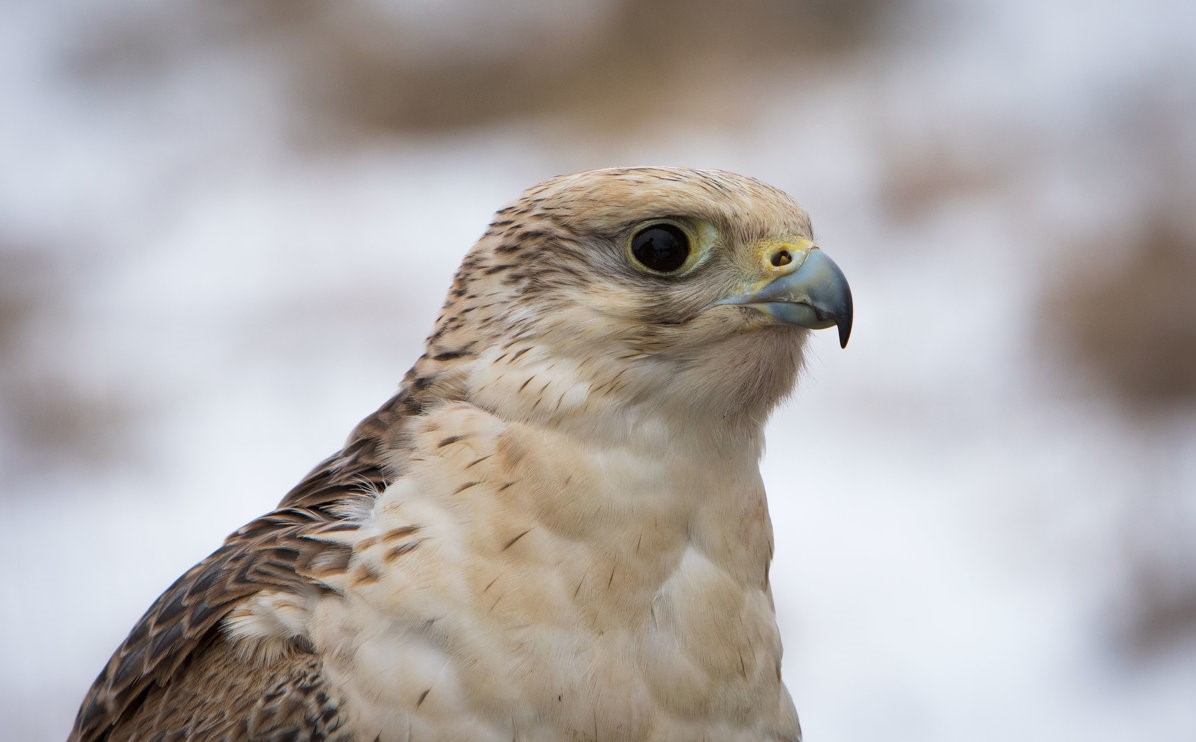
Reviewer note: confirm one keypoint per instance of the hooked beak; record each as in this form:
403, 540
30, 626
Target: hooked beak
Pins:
813, 293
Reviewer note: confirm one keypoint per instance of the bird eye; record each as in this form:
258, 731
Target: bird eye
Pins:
661, 247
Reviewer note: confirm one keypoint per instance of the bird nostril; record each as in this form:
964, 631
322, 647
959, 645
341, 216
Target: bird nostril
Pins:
781, 257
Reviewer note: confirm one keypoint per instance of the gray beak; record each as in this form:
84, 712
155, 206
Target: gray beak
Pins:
814, 296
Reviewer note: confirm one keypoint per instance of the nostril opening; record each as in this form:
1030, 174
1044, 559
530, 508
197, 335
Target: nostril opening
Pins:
781, 257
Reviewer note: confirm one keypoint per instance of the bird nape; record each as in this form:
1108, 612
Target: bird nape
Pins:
556, 529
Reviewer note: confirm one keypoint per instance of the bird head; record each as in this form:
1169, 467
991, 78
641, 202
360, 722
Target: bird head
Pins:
685, 289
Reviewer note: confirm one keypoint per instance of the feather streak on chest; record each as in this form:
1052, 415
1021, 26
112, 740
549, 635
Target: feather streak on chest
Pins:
517, 583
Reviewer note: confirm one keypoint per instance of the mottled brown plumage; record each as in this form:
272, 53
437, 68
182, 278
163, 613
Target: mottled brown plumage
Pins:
176, 652
153, 672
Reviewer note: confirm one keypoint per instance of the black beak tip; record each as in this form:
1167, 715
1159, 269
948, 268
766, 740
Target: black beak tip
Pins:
843, 322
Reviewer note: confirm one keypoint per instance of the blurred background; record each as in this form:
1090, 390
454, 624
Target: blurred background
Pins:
225, 229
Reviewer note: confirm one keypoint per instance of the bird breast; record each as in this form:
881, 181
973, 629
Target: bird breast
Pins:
624, 592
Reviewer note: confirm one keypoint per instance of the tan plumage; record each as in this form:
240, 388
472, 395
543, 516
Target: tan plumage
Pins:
555, 530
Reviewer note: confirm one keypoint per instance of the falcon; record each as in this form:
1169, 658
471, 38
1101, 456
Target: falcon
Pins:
555, 530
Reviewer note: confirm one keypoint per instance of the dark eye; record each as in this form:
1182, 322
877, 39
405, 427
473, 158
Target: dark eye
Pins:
661, 247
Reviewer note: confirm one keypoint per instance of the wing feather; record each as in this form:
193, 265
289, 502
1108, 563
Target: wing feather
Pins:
172, 652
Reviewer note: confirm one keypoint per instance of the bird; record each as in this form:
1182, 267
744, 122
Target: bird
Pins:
556, 529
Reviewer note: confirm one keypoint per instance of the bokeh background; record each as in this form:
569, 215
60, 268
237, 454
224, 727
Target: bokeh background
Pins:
226, 227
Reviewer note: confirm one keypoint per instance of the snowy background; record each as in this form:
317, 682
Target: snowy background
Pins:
225, 229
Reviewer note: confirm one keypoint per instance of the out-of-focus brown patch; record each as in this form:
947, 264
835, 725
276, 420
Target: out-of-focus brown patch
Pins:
49, 417
1131, 323
1160, 592
360, 71
921, 173
21, 273
646, 62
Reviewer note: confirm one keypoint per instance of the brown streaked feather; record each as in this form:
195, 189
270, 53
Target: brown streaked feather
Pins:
216, 695
176, 651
